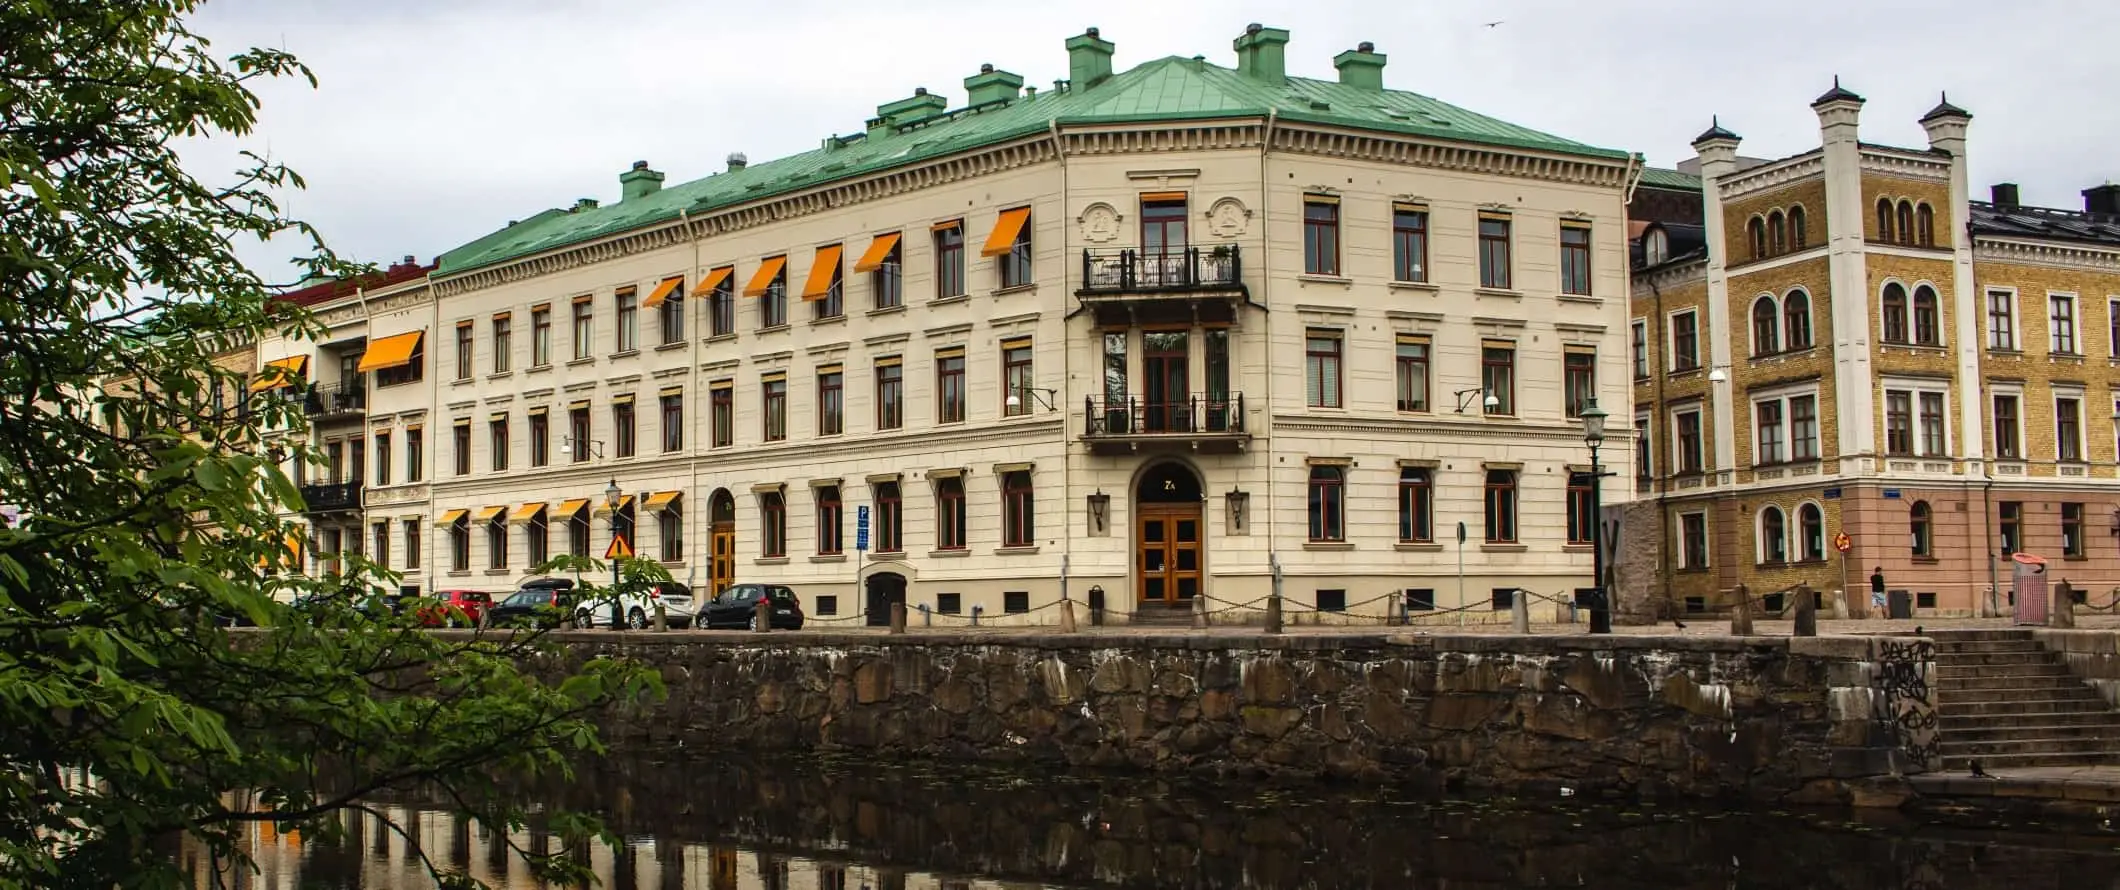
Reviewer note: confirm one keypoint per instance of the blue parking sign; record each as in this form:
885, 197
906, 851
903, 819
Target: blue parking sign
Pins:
861, 529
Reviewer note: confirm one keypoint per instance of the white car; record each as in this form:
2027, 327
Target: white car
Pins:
634, 611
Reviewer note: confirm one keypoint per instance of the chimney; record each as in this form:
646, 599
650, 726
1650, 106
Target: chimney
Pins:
1089, 60
737, 161
1262, 54
1361, 67
2102, 200
581, 204
922, 104
638, 182
2003, 194
990, 85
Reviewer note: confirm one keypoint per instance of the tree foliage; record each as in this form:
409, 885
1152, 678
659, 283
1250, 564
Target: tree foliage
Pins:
132, 717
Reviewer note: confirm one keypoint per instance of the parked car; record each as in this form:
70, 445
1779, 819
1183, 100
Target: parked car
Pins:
456, 608
635, 611
539, 606
737, 607
676, 601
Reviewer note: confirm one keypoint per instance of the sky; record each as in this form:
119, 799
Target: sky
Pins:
437, 122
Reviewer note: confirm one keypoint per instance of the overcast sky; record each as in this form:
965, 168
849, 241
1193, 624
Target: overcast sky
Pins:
437, 122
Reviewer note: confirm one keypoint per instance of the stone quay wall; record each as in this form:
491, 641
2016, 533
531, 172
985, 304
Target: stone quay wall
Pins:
1820, 720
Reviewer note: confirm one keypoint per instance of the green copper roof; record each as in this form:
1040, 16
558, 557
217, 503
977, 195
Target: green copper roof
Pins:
1658, 177
1171, 88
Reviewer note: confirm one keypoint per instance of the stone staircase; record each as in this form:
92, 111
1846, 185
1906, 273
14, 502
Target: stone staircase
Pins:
2005, 701
1161, 615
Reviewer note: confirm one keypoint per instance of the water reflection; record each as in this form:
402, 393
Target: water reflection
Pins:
835, 825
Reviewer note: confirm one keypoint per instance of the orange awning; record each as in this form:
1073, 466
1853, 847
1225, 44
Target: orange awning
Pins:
713, 280
486, 514
451, 518
282, 372
526, 512
624, 501
767, 272
1005, 231
390, 352
662, 501
1162, 197
822, 274
572, 506
879, 250
662, 292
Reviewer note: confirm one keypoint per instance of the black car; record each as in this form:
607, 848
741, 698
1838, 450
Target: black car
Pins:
737, 607
537, 604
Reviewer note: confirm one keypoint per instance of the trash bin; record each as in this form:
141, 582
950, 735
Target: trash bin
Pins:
1899, 604
2028, 588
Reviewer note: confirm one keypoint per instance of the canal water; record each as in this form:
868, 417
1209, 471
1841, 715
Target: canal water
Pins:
842, 824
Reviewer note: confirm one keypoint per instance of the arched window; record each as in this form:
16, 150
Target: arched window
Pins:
1766, 326
1925, 225
1906, 221
1884, 219
1928, 329
1758, 230
1799, 235
1895, 313
1918, 516
1773, 536
1811, 532
1777, 234
1796, 320
1656, 247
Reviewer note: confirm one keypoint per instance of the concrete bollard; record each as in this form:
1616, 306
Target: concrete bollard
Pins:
1806, 612
1520, 611
662, 617
1273, 614
2062, 611
1741, 613
1067, 616
1199, 610
763, 616
897, 618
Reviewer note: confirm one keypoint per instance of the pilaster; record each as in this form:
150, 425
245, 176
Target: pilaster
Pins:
1854, 389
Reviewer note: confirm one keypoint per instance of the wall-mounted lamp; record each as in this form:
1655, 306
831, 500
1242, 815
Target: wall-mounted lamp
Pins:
1239, 502
1488, 402
1100, 505
1015, 399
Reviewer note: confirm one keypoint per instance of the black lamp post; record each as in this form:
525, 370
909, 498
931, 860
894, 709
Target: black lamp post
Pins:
612, 495
1593, 419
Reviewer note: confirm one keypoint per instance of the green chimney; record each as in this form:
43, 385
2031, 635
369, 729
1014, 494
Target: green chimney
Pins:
1262, 54
638, 182
920, 105
1361, 67
1089, 60
990, 85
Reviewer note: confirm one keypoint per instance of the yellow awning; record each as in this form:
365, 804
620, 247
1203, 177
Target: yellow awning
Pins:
1005, 231
1162, 197
822, 273
879, 251
662, 292
486, 514
390, 352
572, 506
661, 501
451, 518
282, 372
713, 280
624, 501
763, 278
527, 512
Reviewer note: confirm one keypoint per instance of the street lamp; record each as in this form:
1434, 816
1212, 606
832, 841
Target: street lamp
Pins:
612, 495
1593, 419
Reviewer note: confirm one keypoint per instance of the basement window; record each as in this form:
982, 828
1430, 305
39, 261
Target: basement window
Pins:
1332, 600
1420, 599
949, 603
1925, 599
1016, 602
1504, 598
827, 605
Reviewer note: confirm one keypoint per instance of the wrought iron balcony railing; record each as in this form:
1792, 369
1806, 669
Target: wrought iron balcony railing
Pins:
1214, 414
325, 498
336, 398
1174, 269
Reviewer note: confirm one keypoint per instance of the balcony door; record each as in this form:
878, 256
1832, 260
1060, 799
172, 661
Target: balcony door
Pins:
1166, 362
1163, 238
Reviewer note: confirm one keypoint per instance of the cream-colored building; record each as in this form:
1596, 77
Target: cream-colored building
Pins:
1148, 332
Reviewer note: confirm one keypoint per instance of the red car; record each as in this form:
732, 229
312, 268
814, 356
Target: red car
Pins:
456, 608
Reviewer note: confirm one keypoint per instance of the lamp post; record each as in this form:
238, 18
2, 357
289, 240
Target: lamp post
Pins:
612, 495
1594, 436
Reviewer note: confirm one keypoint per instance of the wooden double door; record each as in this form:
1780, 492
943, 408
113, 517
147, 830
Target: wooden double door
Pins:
1168, 549
721, 564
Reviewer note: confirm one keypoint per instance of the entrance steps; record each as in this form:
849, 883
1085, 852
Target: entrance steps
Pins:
1163, 615
2005, 701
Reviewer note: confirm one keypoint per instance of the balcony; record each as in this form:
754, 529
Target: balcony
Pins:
1208, 423
341, 497
1128, 284
337, 400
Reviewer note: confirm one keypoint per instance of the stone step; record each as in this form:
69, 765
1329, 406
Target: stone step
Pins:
1957, 647
2029, 731
1950, 685
2071, 691
1973, 635
1951, 726
1995, 658
2008, 707
2028, 745
1961, 764
1945, 670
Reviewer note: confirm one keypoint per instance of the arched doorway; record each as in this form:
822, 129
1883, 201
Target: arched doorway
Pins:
721, 537
883, 589
1168, 536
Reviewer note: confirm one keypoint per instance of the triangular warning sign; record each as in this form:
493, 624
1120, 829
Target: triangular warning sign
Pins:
619, 549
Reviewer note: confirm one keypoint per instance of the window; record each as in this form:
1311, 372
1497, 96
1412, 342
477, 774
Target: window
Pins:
949, 259
772, 525
1925, 225
769, 285
1894, 310
890, 393
773, 395
1773, 536
1582, 509
497, 440
415, 453
1687, 426
1799, 235
1578, 380
949, 513
1898, 422
1413, 374
721, 401
1501, 506
464, 348
2002, 319
1016, 378
1331, 600
2112, 330
1769, 424
1693, 540
578, 533
540, 438
1328, 504
2068, 429
1930, 406
949, 603
1016, 262
382, 459
2072, 529
410, 529
887, 280
1116, 414
2010, 516
1811, 532
1575, 259
1409, 242
721, 302
1019, 527
1321, 235
623, 441
463, 447
2061, 323
949, 385
412, 369
628, 301
670, 313
1777, 234
584, 328
830, 515
1918, 520
1905, 228
1928, 325
538, 535
673, 421
1321, 369
1498, 377
1685, 340
827, 605
831, 402
1639, 349
1884, 219
2007, 427
578, 433
1766, 326
890, 519
1796, 320
825, 290
540, 336
503, 342
1644, 453
380, 550
460, 544
1756, 234
1494, 252
1416, 505
1803, 427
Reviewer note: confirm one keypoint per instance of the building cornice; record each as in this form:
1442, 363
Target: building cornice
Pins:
1770, 176
1514, 430
1905, 163
2045, 253
1363, 145
1666, 276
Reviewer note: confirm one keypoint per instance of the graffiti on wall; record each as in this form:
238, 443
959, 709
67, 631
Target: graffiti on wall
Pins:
1907, 708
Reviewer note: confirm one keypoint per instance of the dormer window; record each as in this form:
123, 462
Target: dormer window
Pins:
1656, 247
